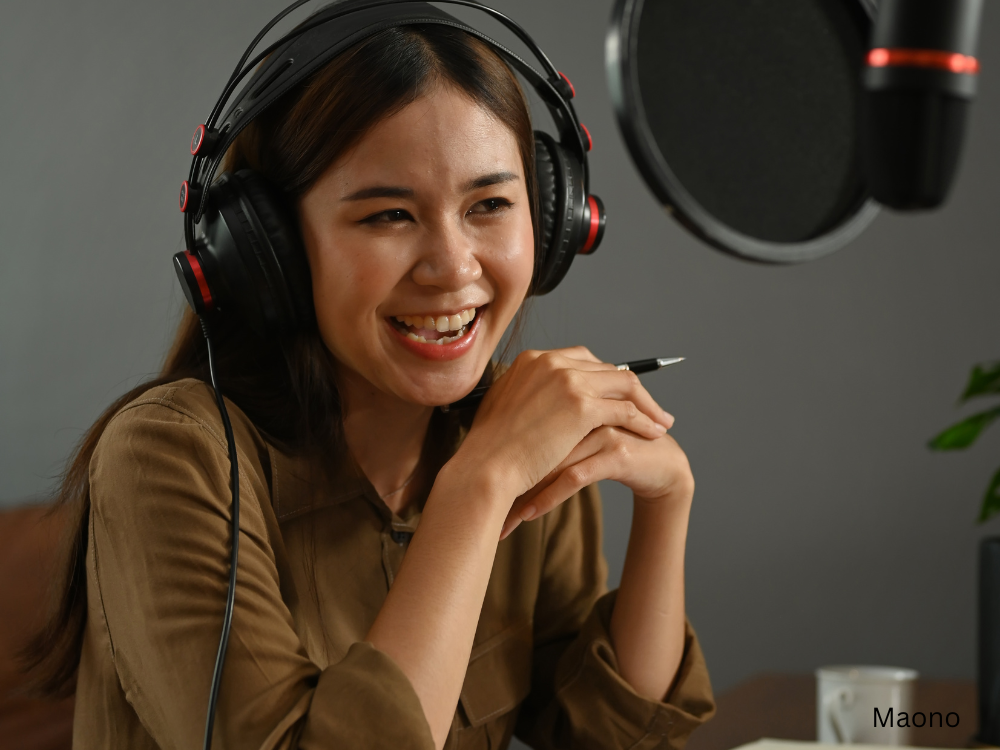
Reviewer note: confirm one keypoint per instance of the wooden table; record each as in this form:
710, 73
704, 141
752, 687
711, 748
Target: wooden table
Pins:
784, 707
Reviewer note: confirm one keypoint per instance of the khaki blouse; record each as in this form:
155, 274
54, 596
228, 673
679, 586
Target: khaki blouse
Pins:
317, 559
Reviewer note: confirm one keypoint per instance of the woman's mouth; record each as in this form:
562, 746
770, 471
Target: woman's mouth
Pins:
438, 337
440, 330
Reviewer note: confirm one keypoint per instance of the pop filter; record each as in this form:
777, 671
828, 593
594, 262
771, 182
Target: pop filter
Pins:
742, 117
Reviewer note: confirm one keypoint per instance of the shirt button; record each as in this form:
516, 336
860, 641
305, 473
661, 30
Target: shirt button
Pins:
400, 537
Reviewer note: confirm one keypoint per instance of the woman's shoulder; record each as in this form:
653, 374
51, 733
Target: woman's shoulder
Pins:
169, 443
177, 415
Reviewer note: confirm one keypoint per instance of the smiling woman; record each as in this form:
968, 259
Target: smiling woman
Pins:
408, 577
427, 218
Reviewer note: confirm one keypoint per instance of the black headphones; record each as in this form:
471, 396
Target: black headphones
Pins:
248, 255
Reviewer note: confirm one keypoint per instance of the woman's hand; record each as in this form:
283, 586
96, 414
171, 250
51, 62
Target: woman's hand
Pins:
558, 420
656, 470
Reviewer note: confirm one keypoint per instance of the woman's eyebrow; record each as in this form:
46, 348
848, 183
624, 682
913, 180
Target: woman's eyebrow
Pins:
496, 178
389, 191
380, 191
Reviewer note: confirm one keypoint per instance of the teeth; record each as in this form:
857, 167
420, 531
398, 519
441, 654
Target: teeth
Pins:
437, 342
441, 324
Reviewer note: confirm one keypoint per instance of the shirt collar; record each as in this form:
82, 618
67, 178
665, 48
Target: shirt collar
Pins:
300, 485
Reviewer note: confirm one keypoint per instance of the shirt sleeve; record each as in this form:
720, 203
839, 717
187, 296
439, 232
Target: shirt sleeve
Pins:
578, 698
160, 540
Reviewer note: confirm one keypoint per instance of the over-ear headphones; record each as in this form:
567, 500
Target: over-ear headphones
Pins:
248, 256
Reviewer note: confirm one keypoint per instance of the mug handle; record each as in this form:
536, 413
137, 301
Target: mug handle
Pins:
833, 701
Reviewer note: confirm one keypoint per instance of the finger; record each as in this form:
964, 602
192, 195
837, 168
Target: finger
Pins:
625, 385
526, 500
625, 414
581, 354
576, 358
595, 441
578, 353
525, 506
509, 525
573, 479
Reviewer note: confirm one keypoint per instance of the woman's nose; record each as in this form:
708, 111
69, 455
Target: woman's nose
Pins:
447, 260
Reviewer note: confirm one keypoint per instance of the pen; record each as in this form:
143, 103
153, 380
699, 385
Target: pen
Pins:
639, 366
648, 365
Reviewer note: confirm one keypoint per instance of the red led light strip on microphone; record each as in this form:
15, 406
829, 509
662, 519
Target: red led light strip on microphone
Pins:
923, 58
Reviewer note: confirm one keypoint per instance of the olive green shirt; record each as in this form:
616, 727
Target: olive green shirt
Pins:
316, 561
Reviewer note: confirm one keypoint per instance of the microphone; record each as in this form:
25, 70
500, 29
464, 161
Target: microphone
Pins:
919, 82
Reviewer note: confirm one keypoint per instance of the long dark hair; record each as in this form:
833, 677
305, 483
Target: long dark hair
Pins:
286, 386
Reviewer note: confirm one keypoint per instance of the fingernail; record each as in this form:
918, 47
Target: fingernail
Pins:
669, 417
508, 529
528, 512
660, 427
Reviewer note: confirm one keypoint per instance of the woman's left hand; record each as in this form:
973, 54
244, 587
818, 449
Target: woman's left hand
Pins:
656, 470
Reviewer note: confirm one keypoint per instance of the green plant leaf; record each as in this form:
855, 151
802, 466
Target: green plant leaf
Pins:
964, 434
983, 381
991, 500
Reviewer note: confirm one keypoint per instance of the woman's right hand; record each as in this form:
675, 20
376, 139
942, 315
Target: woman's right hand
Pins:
543, 406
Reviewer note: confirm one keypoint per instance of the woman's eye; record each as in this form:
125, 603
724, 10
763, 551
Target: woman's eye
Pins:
388, 217
491, 206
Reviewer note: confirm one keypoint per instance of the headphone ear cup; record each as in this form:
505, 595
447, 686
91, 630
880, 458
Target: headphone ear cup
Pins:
252, 246
287, 257
547, 196
562, 205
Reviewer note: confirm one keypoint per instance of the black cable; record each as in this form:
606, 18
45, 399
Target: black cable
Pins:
234, 478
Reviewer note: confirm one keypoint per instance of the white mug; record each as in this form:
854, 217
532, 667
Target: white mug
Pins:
862, 705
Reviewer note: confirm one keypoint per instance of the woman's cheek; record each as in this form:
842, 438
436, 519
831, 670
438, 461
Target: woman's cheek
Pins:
333, 303
524, 263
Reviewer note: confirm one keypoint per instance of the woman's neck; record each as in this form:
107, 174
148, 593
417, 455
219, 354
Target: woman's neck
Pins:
384, 434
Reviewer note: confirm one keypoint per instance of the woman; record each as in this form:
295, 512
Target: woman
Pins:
407, 578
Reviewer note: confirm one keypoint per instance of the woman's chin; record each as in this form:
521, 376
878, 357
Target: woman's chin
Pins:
437, 396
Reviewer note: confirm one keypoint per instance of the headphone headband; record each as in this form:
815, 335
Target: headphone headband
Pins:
316, 41
249, 255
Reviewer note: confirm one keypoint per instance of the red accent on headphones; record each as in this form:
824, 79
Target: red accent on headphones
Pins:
199, 274
572, 88
595, 225
197, 140
880, 57
590, 141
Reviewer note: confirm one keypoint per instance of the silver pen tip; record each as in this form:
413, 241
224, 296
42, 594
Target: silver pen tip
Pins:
669, 361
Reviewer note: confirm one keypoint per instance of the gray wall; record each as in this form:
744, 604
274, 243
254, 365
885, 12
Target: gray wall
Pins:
823, 529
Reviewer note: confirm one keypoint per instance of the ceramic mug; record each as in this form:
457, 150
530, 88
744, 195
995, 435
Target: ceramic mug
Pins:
860, 705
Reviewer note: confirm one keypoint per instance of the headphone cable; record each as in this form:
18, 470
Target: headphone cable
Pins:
234, 476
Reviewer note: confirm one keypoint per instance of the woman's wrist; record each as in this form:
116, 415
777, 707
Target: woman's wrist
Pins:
664, 515
678, 498
480, 487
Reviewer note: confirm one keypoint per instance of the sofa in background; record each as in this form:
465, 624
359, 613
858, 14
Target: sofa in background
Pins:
29, 537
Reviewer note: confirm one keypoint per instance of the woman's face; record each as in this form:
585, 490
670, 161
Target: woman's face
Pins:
422, 225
